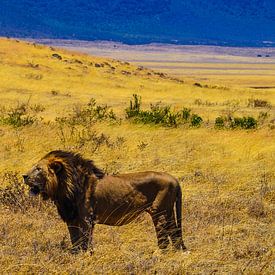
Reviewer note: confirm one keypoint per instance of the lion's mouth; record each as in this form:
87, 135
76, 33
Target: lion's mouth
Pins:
34, 191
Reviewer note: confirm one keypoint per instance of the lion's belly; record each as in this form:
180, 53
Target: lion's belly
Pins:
116, 217
119, 212
119, 204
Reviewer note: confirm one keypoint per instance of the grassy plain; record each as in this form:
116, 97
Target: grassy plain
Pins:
239, 67
227, 176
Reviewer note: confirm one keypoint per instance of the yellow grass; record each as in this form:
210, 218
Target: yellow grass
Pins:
227, 176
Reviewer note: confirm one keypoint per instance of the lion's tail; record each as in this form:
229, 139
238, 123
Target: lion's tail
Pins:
179, 217
179, 208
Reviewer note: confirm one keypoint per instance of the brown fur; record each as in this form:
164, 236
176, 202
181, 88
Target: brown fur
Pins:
85, 196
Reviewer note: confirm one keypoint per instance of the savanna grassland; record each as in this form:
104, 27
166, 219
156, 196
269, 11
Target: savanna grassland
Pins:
56, 99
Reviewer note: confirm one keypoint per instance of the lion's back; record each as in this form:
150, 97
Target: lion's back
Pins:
145, 182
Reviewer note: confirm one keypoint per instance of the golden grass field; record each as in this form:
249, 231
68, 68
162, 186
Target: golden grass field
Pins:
227, 176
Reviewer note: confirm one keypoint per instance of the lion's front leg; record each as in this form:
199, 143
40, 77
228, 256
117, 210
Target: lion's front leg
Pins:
74, 231
86, 234
81, 235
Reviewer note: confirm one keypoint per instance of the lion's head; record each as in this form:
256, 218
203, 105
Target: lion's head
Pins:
59, 173
42, 178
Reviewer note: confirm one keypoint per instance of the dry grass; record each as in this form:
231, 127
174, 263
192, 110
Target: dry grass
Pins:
227, 176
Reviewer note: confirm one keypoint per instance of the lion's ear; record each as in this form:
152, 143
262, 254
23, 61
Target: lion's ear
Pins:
57, 166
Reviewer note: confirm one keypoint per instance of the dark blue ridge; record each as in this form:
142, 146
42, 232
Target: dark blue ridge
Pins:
210, 22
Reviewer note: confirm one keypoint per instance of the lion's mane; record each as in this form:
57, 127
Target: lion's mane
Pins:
73, 172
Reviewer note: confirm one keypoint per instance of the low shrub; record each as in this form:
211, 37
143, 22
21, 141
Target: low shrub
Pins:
244, 122
54, 92
220, 122
161, 114
258, 103
210, 86
196, 120
198, 85
57, 56
158, 115
230, 122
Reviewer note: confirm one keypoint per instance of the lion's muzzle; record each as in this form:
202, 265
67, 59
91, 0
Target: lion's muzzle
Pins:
35, 188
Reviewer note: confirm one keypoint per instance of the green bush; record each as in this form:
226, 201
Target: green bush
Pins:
244, 122
220, 122
160, 114
196, 120
230, 122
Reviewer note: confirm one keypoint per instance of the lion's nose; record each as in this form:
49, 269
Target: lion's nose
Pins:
25, 177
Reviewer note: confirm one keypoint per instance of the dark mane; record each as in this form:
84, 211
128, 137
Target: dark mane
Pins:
77, 160
73, 178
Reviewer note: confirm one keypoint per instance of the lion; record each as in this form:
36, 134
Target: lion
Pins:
85, 196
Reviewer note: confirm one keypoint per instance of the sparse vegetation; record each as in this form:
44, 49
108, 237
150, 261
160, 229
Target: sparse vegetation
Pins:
258, 103
89, 114
200, 102
77, 138
197, 84
22, 115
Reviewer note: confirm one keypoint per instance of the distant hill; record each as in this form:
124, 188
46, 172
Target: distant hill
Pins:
221, 22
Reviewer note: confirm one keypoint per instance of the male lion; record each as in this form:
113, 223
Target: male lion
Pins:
85, 196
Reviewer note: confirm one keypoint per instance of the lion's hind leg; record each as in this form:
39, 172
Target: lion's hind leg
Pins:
174, 232
159, 216
160, 222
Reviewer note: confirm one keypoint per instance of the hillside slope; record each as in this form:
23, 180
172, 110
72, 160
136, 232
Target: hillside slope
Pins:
173, 21
39, 72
